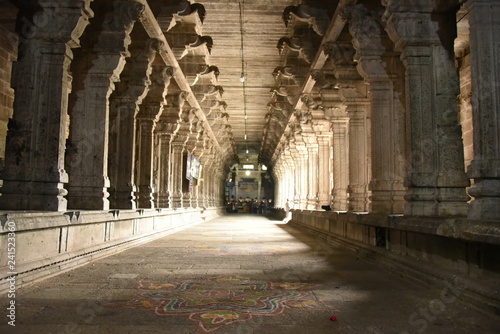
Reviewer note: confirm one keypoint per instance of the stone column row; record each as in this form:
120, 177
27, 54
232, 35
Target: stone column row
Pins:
34, 175
117, 148
399, 148
436, 177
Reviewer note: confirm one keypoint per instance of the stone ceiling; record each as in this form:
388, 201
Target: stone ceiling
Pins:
263, 27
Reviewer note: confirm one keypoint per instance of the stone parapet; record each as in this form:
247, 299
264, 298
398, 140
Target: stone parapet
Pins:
436, 250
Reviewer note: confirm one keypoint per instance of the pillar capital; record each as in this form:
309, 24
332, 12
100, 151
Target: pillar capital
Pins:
417, 23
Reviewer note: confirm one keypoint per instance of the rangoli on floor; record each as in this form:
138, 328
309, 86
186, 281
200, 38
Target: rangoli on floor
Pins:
216, 302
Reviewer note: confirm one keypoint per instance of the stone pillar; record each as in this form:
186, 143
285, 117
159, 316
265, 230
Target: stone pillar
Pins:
436, 177
164, 133
283, 183
280, 189
340, 163
198, 152
324, 171
380, 66
278, 181
303, 176
123, 109
207, 180
485, 166
218, 186
178, 152
312, 171
34, 173
204, 161
176, 173
236, 180
89, 133
166, 129
189, 195
388, 147
287, 183
359, 159
290, 178
149, 113
296, 159
211, 181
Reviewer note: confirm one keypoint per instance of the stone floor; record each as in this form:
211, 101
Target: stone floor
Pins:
239, 274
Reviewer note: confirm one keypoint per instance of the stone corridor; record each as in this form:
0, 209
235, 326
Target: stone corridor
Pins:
240, 274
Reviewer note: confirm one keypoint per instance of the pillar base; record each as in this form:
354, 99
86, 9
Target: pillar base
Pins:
312, 203
88, 198
40, 196
358, 199
122, 200
486, 203
387, 202
487, 208
176, 201
145, 197
436, 202
339, 200
163, 200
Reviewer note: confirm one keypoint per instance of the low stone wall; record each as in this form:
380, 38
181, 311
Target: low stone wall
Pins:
38, 245
439, 251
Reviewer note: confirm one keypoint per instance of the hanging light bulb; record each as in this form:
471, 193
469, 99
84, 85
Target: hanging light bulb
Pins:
247, 151
242, 78
245, 136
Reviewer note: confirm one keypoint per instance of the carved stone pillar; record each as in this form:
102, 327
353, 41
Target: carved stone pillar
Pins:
176, 174
211, 181
198, 152
340, 129
324, 170
278, 179
312, 175
149, 113
218, 186
123, 109
485, 167
259, 185
303, 173
34, 173
189, 195
381, 67
290, 178
388, 148
178, 145
284, 183
144, 155
89, 133
207, 180
297, 153
359, 159
236, 192
436, 177
164, 132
